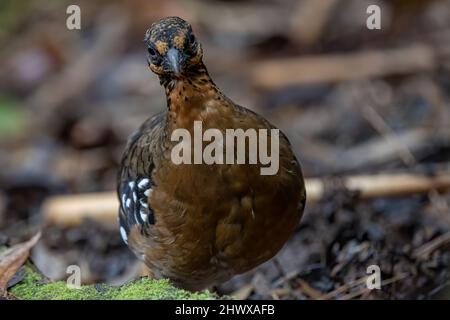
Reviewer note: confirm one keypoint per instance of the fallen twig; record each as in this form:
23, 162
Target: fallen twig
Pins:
379, 124
427, 248
364, 289
355, 283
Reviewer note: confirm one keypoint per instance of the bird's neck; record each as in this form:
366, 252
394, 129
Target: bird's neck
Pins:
189, 96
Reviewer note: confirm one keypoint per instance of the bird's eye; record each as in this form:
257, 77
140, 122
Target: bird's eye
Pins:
192, 43
154, 57
152, 52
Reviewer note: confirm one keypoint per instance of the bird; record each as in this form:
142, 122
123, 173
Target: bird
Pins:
199, 225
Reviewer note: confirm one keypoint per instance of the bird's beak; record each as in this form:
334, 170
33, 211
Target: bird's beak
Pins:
174, 59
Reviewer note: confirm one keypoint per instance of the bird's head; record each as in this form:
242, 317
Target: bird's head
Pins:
172, 47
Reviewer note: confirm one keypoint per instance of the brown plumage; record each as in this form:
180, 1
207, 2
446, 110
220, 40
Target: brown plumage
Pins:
200, 224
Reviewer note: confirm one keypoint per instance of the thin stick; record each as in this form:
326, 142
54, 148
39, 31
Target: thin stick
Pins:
426, 249
379, 124
363, 290
333, 294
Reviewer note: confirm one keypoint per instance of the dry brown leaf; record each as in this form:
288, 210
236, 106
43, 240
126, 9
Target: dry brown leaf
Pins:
12, 259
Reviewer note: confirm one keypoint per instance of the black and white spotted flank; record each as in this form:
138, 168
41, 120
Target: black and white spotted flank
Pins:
134, 208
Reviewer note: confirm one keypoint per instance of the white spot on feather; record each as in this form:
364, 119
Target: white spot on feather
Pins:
148, 192
123, 234
143, 215
143, 183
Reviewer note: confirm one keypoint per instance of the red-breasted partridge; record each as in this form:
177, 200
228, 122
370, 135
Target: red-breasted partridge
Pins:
201, 224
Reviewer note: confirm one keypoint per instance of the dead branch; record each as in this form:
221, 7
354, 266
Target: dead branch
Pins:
272, 74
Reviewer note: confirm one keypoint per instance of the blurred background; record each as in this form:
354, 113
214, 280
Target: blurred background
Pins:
351, 100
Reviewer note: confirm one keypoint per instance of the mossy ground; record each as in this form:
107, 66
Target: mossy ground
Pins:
34, 287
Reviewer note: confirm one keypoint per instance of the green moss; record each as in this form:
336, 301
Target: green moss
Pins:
145, 288
34, 287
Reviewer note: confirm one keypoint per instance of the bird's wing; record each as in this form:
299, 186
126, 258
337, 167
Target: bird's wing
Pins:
135, 177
